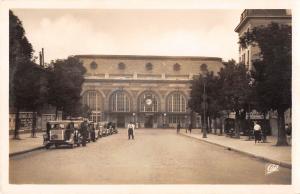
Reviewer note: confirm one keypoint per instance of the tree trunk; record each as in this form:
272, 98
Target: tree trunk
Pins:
209, 124
56, 113
215, 125
17, 124
222, 126
281, 139
33, 126
264, 129
237, 127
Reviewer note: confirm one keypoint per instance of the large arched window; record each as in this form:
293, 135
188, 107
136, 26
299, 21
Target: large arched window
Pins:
176, 102
93, 100
120, 102
148, 102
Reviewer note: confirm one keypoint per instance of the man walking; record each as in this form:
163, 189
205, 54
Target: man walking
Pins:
131, 130
178, 127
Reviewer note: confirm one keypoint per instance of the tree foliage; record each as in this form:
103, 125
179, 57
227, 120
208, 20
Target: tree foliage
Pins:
273, 70
235, 86
20, 53
65, 83
229, 91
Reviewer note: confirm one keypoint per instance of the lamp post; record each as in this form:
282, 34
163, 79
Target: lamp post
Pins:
133, 115
204, 76
165, 114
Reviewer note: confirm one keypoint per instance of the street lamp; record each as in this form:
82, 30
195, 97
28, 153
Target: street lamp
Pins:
204, 76
133, 115
165, 114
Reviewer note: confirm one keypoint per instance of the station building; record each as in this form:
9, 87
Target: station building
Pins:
151, 91
251, 18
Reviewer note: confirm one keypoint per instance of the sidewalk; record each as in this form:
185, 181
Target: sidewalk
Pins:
280, 155
26, 144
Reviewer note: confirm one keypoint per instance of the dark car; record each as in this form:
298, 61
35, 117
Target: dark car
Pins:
59, 133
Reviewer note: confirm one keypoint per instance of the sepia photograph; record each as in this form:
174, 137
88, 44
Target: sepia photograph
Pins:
109, 97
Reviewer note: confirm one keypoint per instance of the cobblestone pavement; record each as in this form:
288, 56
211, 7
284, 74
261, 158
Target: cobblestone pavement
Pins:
154, 157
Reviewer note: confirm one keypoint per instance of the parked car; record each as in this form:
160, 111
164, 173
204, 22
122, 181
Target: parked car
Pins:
114, 128
103, 130
60, 133
94, 131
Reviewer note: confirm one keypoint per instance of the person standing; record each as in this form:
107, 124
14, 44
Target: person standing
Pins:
288, 131
190, 127
130, 130
84, 132
178, 127
257, 132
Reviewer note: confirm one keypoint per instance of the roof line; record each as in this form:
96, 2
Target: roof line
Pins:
248, 17
149, 57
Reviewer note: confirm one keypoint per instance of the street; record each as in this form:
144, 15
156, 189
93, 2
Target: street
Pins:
156, 156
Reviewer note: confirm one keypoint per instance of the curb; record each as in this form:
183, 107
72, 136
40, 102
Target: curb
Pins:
26, 151
282, 164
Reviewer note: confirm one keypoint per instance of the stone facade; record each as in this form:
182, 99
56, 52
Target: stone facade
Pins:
251, 18
152, 91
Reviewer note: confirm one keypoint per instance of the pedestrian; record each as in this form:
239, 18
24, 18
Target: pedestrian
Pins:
288, 131
84, 132
178, 127
130, 130
186, 128
190, 127
257, 132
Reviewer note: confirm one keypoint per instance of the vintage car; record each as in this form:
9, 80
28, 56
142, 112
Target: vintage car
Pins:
114, 128
94, 131
111, 128
60, 133
103, 127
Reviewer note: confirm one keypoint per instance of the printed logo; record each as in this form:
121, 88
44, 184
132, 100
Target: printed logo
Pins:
271, 168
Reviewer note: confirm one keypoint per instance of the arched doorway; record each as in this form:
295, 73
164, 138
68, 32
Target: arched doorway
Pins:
177, 109
148, 108
120, 105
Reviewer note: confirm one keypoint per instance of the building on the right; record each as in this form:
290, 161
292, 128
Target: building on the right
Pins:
251, 18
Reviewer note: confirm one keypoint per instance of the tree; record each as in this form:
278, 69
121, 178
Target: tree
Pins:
196, 102
273, 70
20, 55
30, 88
235, 91
65, 83
228, 91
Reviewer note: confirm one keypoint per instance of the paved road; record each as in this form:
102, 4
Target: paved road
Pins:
154, 157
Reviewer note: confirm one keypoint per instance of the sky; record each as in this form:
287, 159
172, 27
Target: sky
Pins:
65, 32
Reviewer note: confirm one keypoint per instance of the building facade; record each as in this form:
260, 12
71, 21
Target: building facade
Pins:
251, 18
151, 91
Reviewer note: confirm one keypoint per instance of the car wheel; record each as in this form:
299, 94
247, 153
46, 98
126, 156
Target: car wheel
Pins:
47, 146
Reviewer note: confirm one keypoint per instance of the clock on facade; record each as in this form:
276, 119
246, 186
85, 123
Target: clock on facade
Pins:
148, 101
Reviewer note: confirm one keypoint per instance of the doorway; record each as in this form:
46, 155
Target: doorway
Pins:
149, 121
121, 121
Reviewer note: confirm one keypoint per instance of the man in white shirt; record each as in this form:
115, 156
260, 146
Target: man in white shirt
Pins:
257, 132
131, 130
